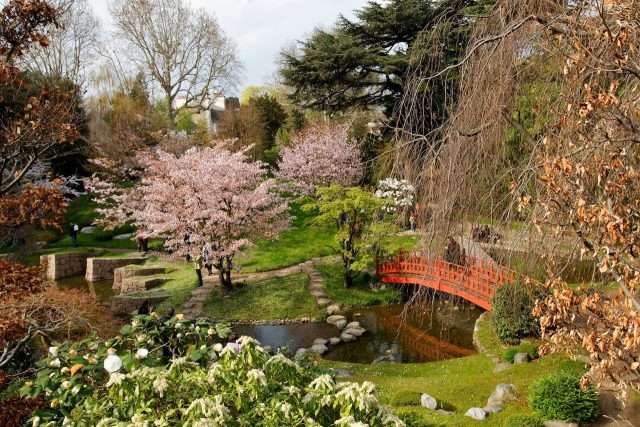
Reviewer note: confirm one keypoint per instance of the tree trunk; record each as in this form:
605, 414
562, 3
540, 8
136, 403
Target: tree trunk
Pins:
348, 279
227, 279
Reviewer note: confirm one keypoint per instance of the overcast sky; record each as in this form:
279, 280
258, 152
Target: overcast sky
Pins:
262, 27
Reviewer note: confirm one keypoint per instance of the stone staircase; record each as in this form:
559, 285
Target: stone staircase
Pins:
132, 279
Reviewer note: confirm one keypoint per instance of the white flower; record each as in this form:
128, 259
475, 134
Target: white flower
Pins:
358, 424
142, 353
107, 422
323, 381
244, 340
76, 389
53, 351
72, 353
55, 363
178, 325
65, 370
197, 328
160, 385
115, 379
180, 316
281, 358
111, 350
66, 421
218, 347
345, 421
35, 422
141, 338
285, 408
211, 331
66, 385
257, 375
112, 363
179, 336
292, 389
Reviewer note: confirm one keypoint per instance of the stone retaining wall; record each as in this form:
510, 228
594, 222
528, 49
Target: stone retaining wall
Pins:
59, 266
102, 268
124, 304
123, 274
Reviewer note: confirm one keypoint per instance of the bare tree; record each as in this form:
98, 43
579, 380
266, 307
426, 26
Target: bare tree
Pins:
184, 50
72, 46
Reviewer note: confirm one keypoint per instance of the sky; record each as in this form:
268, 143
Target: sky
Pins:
262, 27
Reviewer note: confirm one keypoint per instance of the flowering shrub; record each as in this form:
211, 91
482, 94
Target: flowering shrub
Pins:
399, 192
193, 380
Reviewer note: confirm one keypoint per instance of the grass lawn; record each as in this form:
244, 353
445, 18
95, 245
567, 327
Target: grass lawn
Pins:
458, 384
302, 243
278, 298
359, 293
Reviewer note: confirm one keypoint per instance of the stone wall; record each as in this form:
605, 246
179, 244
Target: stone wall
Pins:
124, 304
59, 266
102, 268
128, 280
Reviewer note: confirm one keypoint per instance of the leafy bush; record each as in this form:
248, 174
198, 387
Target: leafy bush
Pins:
178, 372
511, 311
523, 420
526, 347
560, 397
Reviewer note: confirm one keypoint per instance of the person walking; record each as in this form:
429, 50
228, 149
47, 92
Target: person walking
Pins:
73, 232
412, 221
206, 257
197, 265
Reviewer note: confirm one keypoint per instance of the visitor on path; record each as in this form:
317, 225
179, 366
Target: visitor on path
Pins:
412, 221
73, 231
206, 257
197, 265
142, 241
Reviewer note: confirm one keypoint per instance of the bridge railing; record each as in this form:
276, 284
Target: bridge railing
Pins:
480, 276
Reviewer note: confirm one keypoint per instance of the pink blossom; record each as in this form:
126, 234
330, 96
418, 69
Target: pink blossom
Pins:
319, 157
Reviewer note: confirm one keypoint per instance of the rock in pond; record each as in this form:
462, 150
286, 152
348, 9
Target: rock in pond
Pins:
476, 413
333, 309
521, 358
428, 401
353, 325
334, 340
319, 341
356, 332
334, 319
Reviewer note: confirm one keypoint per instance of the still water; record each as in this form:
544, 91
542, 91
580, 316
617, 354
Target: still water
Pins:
100, 290
436, 333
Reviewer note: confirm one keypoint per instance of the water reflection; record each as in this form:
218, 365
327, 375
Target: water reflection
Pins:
100, 290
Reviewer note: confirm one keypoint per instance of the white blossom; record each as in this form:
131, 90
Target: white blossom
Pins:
53, 351
142, 353
115, 379
112, 363
55, 363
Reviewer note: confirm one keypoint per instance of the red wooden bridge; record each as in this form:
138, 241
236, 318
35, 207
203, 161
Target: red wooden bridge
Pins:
475, 281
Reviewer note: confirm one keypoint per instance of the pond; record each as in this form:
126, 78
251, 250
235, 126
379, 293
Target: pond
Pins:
437, 333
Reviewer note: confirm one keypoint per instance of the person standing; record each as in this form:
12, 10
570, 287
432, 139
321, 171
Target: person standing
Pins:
206, 257
197, 265
412, 221
73, 231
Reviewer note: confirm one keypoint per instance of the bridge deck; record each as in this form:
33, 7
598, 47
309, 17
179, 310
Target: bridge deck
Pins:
476, 281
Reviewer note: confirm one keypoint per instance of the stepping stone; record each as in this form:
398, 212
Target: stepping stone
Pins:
428, 402
318, 294
319, 348
341, 324
356, 332
476, 413
521, 358
333, 309
347, 337
323, 301
500, 367
353, 325
334, 340
334, 319
320, 341
88, 230
501, 393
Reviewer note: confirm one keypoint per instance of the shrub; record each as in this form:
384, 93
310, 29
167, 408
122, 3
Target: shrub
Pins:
526, 347
511, 311
560, 397
177, 372
523, 420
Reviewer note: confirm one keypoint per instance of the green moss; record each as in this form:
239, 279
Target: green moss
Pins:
357, 295
278, 298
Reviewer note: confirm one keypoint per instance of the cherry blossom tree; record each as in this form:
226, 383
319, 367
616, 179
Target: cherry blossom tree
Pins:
320, 156
211, 195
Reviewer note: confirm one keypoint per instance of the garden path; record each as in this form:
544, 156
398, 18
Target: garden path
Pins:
194, 306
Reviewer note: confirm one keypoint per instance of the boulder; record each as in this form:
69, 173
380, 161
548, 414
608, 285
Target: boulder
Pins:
334, 340
428, 402
334, 319
341, 324
122, 236
88, 230
492, 409
333, 309
521, 358
340, 373
347, 337
323, 302
352, 325
501, 393
385, 359
319, 348
476, 413
319, 341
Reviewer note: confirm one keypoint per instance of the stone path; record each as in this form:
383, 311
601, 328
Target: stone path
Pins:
193, 307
